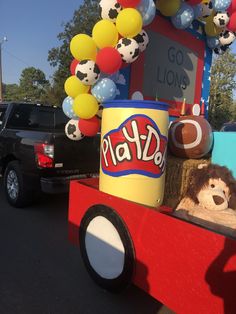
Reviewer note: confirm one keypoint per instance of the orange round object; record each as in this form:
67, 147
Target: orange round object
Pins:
190, 137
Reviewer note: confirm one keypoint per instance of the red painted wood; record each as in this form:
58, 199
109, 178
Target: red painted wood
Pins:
186, 267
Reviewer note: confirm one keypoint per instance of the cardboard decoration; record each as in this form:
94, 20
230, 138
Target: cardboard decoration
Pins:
188, 268
171, 257
174, 66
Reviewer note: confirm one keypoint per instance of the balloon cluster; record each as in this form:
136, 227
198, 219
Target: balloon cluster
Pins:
117, 40
218, 16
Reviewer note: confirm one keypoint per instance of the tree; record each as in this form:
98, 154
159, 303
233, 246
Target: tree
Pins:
82, 22
33, 84
10, 92
221, 106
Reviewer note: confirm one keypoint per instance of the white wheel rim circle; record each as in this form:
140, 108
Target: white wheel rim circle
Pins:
104, 248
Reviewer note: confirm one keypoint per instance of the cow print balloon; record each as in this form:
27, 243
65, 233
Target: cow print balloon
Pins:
221, 19
227, 38
142, 40
72, 130
109, 9
128, 49
87, 72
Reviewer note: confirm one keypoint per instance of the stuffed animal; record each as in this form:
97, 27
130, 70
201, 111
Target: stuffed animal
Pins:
210, 197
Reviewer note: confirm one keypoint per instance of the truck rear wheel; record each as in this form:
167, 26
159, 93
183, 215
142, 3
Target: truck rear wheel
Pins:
15, 190
106, 248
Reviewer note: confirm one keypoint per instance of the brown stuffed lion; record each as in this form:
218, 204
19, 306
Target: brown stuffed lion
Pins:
210, 197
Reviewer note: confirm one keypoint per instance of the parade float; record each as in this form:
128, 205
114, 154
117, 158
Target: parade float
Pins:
142, 79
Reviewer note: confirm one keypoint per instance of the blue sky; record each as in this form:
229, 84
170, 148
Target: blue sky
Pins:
31, 28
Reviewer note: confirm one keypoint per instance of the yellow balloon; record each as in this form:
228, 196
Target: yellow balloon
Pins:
83, 47
168, 7
129, 22
85, 106
105, 34
73, 86
211, 29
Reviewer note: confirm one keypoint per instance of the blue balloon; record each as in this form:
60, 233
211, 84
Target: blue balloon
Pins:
67, 107
213, 42
104, 90
114, 77
147, 9
221, 5
184, 17
197, 9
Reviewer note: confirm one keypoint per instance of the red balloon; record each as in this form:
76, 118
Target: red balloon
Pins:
73, 66
231, 26
232, 7
128, 3
193, 2
89, 127
108, 60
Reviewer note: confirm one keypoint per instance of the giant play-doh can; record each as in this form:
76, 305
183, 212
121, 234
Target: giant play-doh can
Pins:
133, 150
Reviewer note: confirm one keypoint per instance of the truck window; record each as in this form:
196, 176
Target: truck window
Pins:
2, 114
41, 118
60, 119
34, 117
229, 128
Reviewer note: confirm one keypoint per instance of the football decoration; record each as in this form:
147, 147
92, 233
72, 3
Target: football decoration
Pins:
109, 9
72, 130
128, 49
190, 137
87, 72
142, 40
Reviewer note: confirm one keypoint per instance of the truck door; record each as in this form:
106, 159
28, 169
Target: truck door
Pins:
2, 120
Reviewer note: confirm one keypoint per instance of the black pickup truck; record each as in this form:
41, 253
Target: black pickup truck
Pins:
36, 155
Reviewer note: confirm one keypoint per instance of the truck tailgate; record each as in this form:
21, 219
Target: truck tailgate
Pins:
76, 157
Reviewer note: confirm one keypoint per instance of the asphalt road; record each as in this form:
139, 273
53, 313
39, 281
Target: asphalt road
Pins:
41, 272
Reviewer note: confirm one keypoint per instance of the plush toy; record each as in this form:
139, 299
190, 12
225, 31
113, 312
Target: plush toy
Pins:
210, 197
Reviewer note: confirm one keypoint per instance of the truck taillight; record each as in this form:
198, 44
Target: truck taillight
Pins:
44, 155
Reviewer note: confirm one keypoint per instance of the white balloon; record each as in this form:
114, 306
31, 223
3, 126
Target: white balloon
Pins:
72, 130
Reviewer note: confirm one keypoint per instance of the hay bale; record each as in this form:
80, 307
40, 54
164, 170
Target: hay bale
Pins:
177, 177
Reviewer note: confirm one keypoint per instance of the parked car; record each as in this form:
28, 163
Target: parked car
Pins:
228, 127
36, 155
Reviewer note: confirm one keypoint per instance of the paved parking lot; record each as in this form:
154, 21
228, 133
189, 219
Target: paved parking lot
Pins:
41, 272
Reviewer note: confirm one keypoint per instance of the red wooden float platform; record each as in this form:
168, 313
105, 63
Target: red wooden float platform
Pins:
188, 268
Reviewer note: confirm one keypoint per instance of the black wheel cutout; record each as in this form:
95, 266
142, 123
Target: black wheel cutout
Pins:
15, 190
109, 262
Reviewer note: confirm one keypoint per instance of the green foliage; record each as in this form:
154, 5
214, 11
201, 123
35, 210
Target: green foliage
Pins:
221, 107
234, 111
82, 22
33, 86
10, 92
